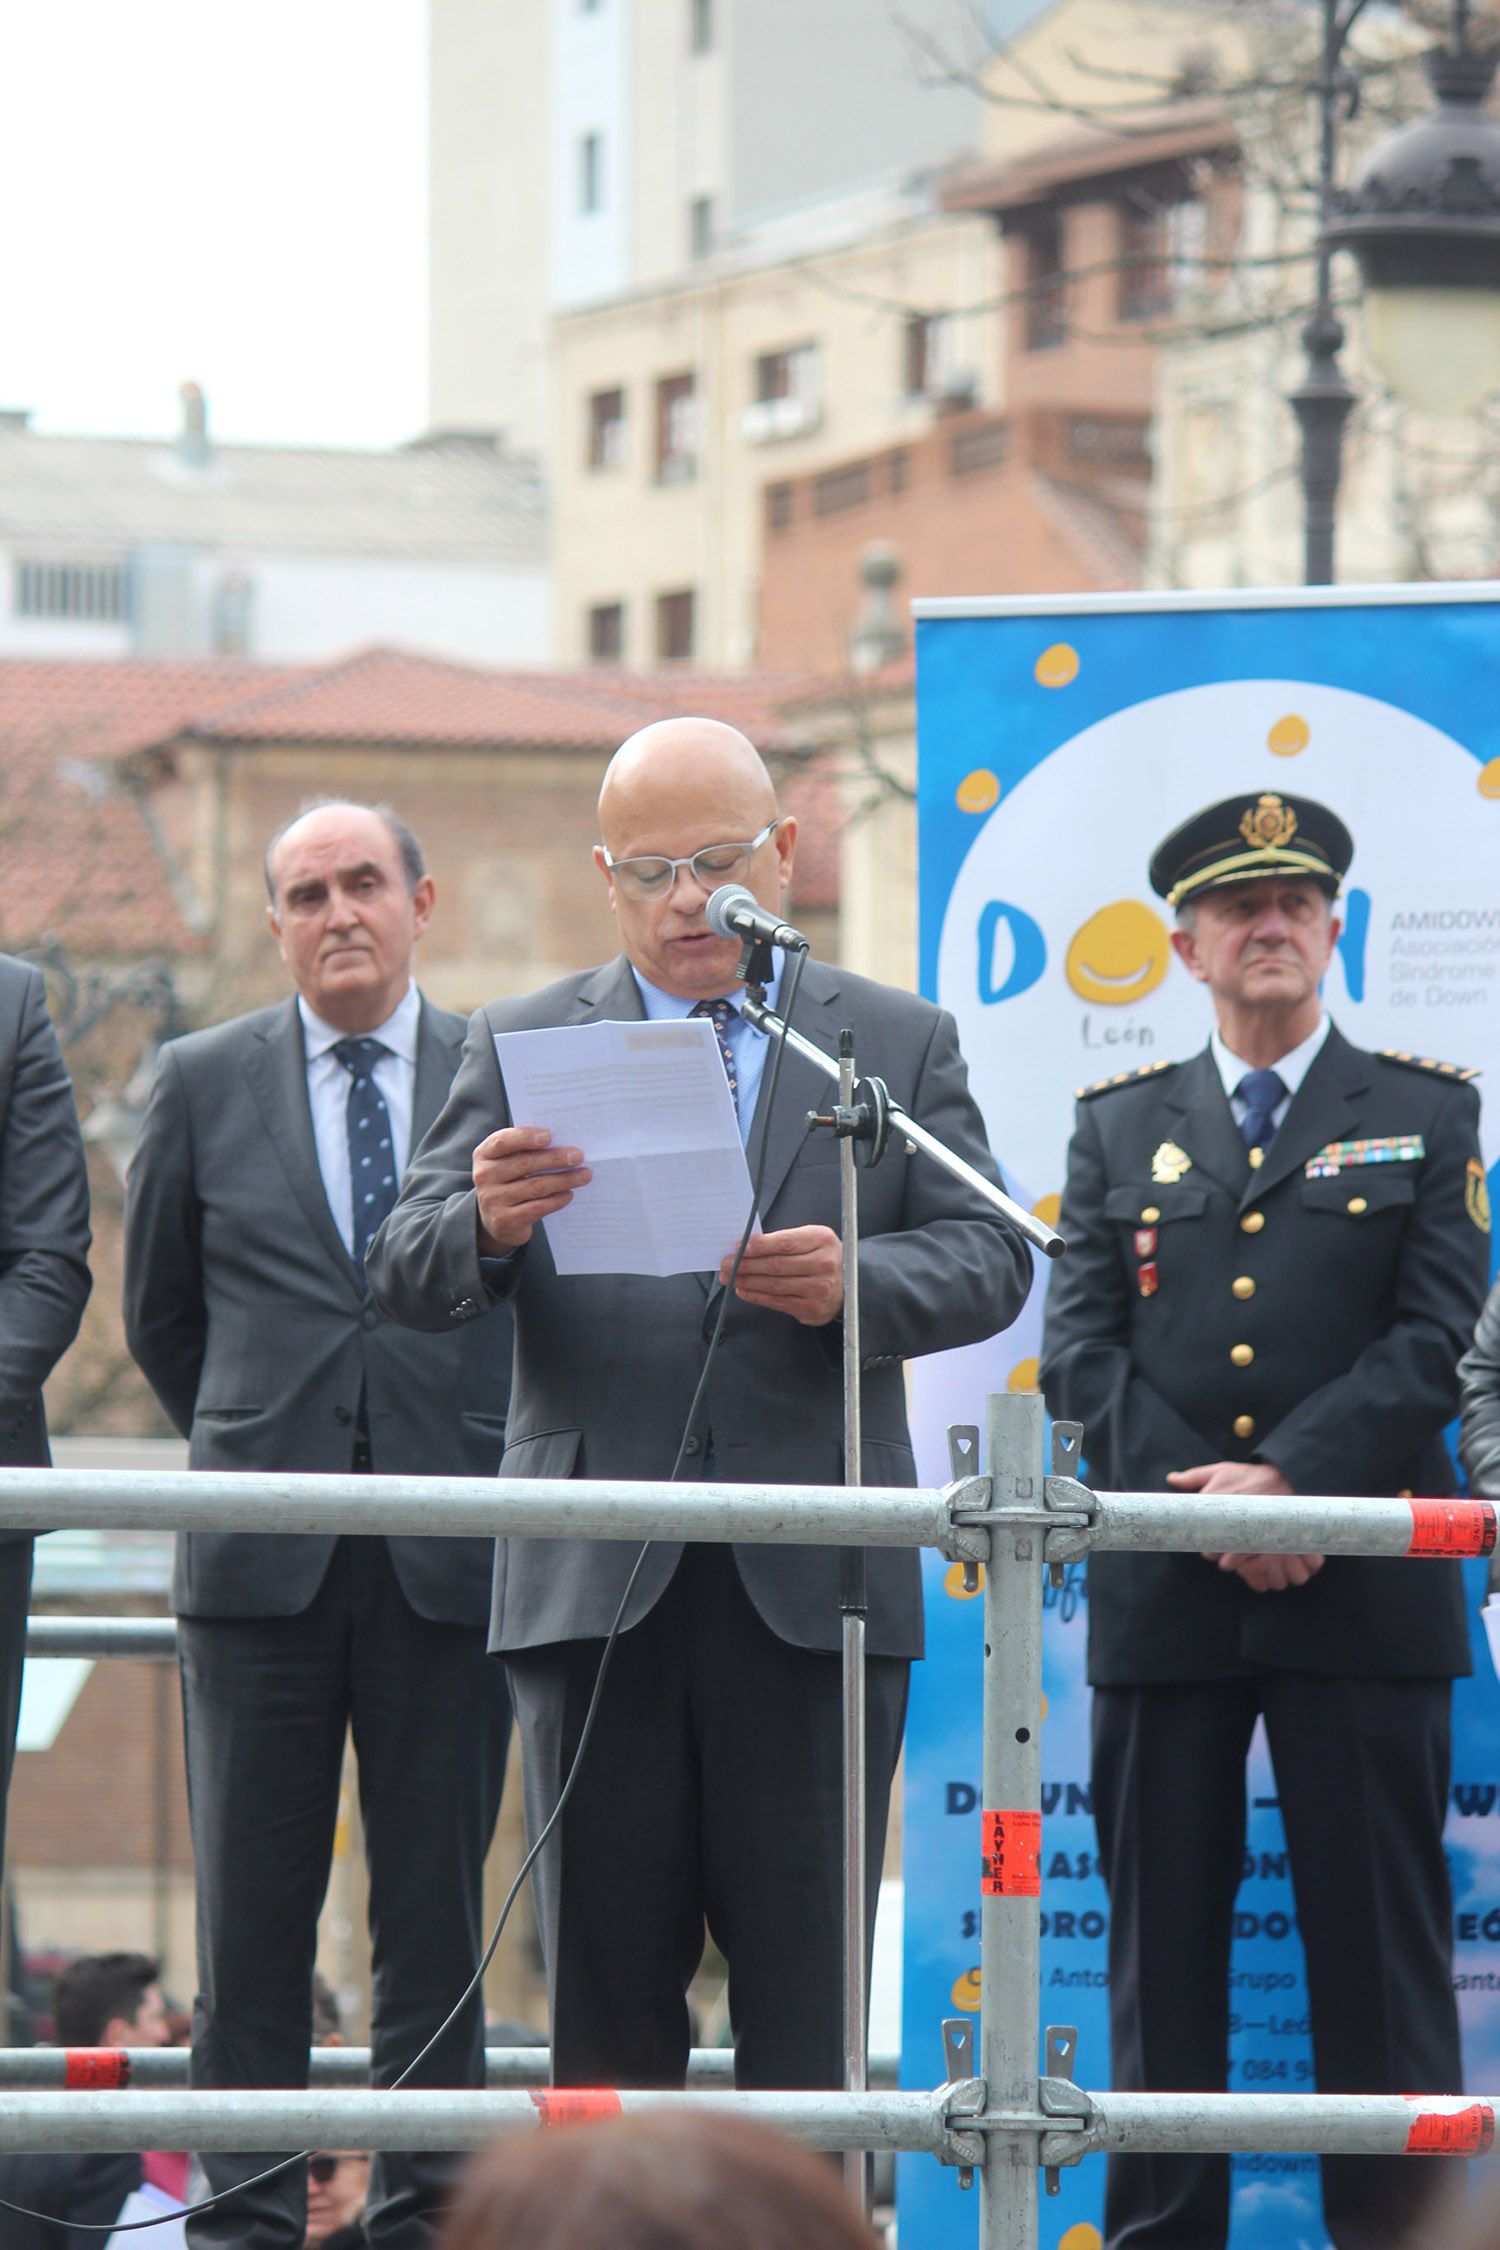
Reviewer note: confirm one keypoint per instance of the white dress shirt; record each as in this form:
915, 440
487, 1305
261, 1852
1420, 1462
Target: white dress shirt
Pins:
1291, 1070
328, 1084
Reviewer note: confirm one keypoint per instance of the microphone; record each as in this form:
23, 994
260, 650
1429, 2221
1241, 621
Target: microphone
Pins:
734, 912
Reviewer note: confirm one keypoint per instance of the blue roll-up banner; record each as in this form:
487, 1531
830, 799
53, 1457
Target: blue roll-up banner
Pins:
1057, 743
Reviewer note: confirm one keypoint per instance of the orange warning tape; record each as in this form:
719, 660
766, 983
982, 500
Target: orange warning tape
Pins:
1465, 2131
91, 2067
1451, 1527
566, 2105
1012, 1862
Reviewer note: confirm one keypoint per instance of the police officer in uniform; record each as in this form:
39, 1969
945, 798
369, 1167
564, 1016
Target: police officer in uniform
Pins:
1276, 1254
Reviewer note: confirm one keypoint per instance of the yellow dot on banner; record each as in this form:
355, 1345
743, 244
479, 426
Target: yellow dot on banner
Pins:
1057, 666
1044, 1707
966, 1991
977, 791
1048, 1209
1489, 779
1023, 1376
1122, 952
953, 1582
1289, 735
1084, 2236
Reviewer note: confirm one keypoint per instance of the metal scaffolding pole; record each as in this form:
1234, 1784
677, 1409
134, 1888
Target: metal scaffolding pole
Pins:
277, 2122
47, 2070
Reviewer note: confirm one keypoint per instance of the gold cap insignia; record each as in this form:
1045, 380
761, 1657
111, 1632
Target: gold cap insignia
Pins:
1169, 1163
1268, 825
1477, 1195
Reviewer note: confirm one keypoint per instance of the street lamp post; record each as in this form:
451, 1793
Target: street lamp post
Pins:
1422, 217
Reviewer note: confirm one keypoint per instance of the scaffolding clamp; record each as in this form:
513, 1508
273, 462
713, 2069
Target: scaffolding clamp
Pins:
1071, 1507
963, 2097
1066, 2105
965, 1542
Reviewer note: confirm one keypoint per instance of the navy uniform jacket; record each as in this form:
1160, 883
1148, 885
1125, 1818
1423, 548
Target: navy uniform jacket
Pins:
1309, 1317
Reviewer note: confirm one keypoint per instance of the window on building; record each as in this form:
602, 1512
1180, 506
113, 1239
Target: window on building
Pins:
607, 430
675, 624
607, 633
676, 429
838, 489
85, 593
701, 26
792, 373
591, 173
781, 506
701, 227
927, 354
1161, 253
1046, 283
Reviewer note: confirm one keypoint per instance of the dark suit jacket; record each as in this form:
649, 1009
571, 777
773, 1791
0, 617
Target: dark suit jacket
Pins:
44, 1216
606, 1365
77, 2196
1366, 1285
256, 1331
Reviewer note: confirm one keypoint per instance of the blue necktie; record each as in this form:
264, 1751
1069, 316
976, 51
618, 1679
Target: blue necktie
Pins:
372, 1152
1260, 1091
721, 1013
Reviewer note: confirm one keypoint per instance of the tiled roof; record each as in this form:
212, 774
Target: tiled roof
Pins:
78, 856
390, 697
92, 497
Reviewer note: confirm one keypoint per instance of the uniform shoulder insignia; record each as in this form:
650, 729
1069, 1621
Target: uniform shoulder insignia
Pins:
1122, 1078
1426, 1062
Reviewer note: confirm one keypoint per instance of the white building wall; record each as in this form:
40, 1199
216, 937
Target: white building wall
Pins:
488, 276
590, 93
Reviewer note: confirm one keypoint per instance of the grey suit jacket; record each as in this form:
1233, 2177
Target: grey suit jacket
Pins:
606, 1365
44, 1216
256, 1331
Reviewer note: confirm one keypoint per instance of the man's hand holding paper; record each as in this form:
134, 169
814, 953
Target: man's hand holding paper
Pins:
519, 1179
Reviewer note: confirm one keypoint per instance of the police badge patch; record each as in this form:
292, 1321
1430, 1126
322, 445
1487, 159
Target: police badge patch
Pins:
1169, 1163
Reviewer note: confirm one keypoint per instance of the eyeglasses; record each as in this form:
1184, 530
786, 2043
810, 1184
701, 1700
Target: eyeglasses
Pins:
653, 877
322, 2168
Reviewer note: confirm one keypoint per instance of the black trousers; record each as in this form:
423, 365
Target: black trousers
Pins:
1362, 1776
266, 1705
710, 1792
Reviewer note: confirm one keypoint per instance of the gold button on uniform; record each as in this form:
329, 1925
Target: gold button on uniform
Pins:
1244, 1425
1252, 1222
1357, 1204
1242, 1354
1150, 1215
1242, 1286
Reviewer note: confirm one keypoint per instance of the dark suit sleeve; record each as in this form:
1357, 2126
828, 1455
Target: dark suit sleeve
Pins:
424, 1266
44, 1211
1351, 1434
166, 1320
1479, 1393
954, 1271
1131, 1435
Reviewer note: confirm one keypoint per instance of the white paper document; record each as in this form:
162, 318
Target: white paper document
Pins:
650, 1107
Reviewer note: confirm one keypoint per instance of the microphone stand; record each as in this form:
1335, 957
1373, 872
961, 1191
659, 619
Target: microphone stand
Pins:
864, 1122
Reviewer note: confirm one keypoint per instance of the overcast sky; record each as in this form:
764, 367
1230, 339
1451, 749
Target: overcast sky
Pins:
190, 189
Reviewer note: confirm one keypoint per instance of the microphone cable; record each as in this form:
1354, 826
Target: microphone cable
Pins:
766, 1104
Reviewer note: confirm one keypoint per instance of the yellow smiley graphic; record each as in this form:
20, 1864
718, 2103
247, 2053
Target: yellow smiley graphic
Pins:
966, 1991
1057, 666
1489, 779
978, 791
1289, 735
1120, 954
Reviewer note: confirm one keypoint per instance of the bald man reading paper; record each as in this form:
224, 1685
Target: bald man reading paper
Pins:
710, 1789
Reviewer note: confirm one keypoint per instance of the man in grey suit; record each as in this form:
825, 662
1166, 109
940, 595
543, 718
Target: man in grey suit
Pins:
710, 1788
44, 1280
271, 1148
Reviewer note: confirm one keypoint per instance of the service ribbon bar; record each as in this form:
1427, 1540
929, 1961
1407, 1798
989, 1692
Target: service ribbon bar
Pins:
1388, 1148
